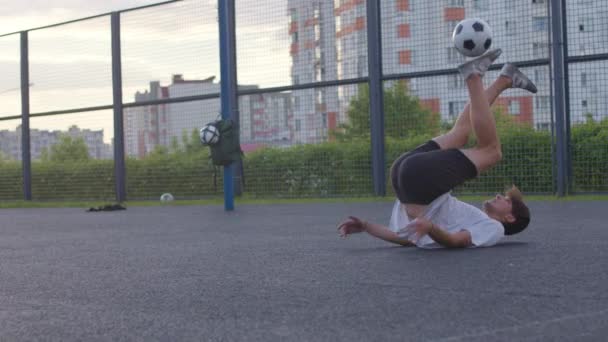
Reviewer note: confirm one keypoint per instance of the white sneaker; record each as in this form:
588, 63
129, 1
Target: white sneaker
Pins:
519, 79
479, 65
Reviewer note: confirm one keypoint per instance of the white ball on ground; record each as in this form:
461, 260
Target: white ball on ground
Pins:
472, 37
166, 198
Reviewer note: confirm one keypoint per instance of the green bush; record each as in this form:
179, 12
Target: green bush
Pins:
87, 179
328, 169
11, 180
185, 175
589, 147
331, 169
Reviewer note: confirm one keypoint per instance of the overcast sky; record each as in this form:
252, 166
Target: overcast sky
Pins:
70, 65
27, 14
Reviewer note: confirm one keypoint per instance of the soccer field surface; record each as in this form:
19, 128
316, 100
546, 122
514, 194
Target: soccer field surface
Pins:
280, 272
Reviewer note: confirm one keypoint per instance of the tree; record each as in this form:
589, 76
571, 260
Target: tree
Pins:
4, 157
67, 149
191, 142
404, 116
174, 145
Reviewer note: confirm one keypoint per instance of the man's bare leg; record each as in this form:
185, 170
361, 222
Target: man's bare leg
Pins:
458, 136
482, 120
487, 152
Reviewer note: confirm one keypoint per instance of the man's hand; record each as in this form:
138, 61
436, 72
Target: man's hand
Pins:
419, 227
351, 226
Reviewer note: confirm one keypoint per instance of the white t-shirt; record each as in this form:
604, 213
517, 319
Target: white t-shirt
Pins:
451, 215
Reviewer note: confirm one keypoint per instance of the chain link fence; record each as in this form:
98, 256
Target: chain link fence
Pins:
303, 98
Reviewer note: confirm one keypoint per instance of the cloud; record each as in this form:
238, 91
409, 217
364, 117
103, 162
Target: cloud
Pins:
24, 15
87, 7
157, 42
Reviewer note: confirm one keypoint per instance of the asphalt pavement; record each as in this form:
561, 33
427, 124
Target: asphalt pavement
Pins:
281, 273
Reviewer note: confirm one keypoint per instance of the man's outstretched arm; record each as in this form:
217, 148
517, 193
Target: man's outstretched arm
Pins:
386, 234
355, 225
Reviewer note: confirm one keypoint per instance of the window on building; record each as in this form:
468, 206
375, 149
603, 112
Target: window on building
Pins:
319, 96
338, 23
451, 25
582, 49
316, 11
540, 50
405, 57
361, 66
540, 76
296, 102
298, 125
584, 103
294, 37
403, 5
542, 103
455, 107
510, 27
293, 15
324, 120
403, 31
456, 3
583, 80
318, 76
543, 126
481, 5
538, 1
454, 56
585, 24
514, 107
455, 81
296, 79
540, 23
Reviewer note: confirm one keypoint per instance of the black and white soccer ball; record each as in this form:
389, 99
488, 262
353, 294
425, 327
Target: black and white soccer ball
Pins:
472, 37
209, 135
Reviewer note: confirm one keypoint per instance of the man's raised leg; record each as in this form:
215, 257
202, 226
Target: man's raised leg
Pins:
458, 136
487, 152
510, 77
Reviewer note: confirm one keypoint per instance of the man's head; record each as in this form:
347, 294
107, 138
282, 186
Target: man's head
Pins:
509, 209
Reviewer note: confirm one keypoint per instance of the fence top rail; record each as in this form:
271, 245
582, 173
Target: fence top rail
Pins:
91, 17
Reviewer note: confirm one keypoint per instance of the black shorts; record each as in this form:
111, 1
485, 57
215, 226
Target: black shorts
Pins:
427, 172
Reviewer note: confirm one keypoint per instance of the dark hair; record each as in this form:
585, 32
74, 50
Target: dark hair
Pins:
519, 210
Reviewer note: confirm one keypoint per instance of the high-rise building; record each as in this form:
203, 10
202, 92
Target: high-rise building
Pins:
145, 126
263, 118
313, 53
41, 140
417, 37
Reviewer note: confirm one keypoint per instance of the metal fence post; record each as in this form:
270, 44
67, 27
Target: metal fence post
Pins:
26, 158
568, 152
376, 95
229, 97
559, 92
119, 146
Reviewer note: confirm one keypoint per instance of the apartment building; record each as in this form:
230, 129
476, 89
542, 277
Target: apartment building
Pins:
40, 140
417, 37
313, 54
263, 118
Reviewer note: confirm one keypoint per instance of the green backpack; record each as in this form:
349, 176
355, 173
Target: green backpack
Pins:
228, 148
